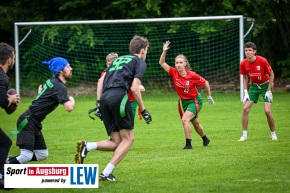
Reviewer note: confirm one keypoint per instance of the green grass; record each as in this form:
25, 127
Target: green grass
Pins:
157, 163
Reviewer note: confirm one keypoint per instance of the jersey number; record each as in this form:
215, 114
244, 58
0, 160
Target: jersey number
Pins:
121, 60
49, 84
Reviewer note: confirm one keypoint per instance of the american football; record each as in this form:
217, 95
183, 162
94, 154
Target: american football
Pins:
9, 110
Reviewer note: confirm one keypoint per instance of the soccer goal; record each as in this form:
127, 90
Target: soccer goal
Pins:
213, 46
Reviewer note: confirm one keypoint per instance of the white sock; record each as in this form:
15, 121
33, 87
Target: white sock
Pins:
245, 133
91, 146
273, 133
109, 168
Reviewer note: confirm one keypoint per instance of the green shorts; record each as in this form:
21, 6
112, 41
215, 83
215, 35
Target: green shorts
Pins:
255, 91
192, 106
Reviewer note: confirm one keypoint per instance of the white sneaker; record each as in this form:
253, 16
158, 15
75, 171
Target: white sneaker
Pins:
274, 137
243, 138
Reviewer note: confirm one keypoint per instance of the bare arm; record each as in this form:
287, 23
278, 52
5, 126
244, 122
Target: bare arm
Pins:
162, 62
207, 88
245, 81
135, 88
271, 80
69, 105
100, 86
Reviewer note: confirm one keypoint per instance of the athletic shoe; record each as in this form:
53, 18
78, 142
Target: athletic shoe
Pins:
110, 177
81, 152
9, 158
243, 138
187, 147
274, 137
206, 142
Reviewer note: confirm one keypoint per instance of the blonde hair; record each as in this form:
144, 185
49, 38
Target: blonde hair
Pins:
187, 66
111, 56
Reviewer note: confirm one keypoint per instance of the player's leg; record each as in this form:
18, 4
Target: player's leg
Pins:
187, 116
268, 113
270, 119
245, 119
5, 144
25, 140
124, 120
200, 130
254, 95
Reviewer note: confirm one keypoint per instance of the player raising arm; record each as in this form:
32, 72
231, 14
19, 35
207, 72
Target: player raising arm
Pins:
185, 82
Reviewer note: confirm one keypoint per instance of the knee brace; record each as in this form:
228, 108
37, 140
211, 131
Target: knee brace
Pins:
25, 156
41, 154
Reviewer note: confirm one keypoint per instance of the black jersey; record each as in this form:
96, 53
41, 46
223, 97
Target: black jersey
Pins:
4, 82
122, 71
53, 93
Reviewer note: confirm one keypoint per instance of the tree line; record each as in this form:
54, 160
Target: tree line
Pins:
271, 30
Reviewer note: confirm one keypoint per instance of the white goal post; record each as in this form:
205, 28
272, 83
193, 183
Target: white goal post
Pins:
125, 21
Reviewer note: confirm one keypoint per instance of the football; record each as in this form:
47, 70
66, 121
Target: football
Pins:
9, 110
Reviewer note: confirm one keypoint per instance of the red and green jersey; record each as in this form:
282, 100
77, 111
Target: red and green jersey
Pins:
258, 71
185, 86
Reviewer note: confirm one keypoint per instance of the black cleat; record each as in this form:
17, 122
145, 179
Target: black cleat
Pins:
81, 152
206, 142
110, 177
187, 147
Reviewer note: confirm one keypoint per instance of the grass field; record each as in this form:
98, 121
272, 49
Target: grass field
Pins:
157, 163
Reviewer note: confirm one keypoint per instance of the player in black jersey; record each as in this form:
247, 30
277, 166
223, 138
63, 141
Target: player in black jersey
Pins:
124, 73
52, 93
7, 60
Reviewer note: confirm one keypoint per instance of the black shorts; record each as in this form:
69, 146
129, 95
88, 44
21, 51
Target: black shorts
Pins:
30, 137
116, 110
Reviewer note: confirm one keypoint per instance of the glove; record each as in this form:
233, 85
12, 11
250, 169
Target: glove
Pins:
147, 117
269, 96
210, 100
98, 113
246, 96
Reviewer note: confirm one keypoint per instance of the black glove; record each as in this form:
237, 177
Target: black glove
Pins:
98, 113
147, 117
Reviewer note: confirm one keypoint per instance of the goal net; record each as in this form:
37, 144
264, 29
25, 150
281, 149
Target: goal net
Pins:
211, 44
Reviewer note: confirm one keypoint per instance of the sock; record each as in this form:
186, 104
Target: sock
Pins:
204, 137
245, 133
188, 142
273, 133
109, 168
91, 146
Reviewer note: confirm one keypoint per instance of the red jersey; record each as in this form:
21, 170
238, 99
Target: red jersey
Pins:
258, 71
186, 86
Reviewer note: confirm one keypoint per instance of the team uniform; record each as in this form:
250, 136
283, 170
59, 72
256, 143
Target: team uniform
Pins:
259, 72
131, 98
115, 105
29, 124
5, 141
186, 89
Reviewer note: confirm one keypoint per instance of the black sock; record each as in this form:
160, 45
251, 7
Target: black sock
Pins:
188, 142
